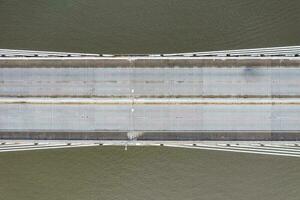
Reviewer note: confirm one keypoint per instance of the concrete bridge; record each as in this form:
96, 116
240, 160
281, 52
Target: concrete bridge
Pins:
226, 95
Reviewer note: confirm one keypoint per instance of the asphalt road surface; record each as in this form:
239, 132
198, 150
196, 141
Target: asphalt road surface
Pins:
66, 117
107, 82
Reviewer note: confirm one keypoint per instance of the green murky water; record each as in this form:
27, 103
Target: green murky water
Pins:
146, 173
148, 26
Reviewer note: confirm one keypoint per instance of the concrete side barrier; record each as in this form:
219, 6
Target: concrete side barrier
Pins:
62, 135
154, 136
160, 62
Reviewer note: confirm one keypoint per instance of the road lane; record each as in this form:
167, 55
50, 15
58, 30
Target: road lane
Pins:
91, 117
149, 82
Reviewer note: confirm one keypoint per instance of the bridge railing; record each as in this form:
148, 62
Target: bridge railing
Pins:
288, 51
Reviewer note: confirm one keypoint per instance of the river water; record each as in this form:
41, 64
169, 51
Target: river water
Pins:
148, 26
150, 173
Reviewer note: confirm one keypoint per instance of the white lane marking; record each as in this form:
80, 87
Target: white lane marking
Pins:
230, 101
257, 51
275, 50
251, 149
282, 146
32, 146
216, 147
42, 53
232, 150
20, 145
171, 57
49, 147
264, 148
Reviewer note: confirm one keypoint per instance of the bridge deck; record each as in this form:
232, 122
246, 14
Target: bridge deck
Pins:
149, 98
